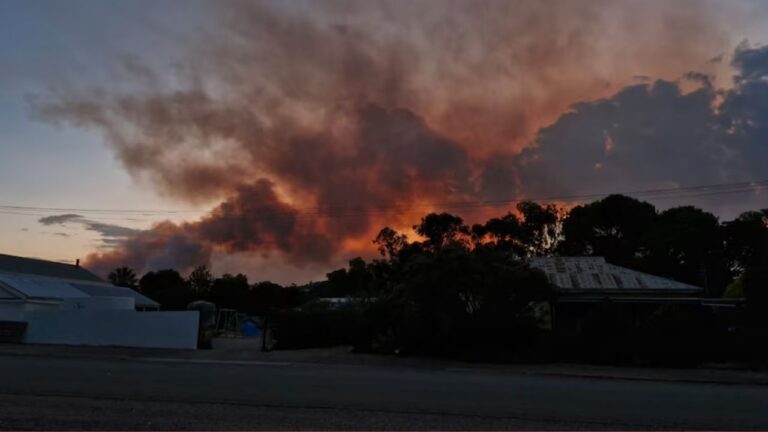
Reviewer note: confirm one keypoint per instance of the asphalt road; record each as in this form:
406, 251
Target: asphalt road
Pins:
76, 393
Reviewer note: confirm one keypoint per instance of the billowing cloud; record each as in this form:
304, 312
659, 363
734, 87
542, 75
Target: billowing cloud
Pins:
253, 220
656, 135
485, 74
315, 123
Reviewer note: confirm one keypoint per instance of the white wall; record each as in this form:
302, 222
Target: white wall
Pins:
111, 303
113, 328
17, 310
32, 307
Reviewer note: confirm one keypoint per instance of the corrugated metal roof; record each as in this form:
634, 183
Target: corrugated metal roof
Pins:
594, 274
39, 287
48, 288
39, 279
14, 264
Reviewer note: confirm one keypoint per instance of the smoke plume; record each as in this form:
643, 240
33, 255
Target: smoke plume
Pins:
317, 122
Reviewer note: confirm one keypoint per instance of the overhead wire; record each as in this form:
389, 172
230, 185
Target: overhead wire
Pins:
341, 210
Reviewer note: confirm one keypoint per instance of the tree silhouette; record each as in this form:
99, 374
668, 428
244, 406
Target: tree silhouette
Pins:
200, 280
746, 239
540, 229
389, 242
123, 277
168, 288
266, 297
504, 232
441, 229
612, 227
685, 244
231, 291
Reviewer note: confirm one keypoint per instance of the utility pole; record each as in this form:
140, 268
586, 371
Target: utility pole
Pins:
265, 333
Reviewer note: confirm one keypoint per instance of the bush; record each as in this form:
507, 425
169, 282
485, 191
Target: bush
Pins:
675, 335
298, 329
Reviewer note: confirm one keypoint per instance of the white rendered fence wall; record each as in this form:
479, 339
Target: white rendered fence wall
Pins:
113, 328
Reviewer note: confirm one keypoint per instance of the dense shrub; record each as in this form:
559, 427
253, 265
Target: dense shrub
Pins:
298, 329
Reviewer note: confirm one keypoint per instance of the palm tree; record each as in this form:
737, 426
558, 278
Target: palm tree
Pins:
124, 277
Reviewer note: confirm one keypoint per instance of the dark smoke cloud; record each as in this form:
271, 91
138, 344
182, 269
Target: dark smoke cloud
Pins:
656, 135
253, 220
644, 135
290, 112
256, 220
59, 219
166, 245
392, 158
387, 159
744, 111
485, 74
111, 234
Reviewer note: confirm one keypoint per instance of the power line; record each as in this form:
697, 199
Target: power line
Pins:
358, 210
93, 210
419, 210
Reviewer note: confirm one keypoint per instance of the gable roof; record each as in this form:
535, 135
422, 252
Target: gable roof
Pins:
26, 286
37, 287
28, 278
15, 264
593, 274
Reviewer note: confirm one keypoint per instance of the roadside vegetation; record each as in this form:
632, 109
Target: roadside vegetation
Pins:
466, 291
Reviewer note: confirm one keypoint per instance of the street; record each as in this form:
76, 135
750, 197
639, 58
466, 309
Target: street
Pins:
87, 393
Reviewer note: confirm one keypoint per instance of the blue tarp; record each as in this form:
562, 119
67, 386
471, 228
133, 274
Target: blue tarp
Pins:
250, 329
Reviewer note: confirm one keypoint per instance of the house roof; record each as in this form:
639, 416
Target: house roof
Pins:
34, 287
27, 278
594, 274
15, 264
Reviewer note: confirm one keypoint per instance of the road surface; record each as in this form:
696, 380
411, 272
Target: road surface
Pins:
81, 393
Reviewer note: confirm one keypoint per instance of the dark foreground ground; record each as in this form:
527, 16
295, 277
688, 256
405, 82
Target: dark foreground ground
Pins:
103, 392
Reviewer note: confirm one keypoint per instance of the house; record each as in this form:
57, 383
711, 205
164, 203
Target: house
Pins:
587, 286
592, 279
53, 303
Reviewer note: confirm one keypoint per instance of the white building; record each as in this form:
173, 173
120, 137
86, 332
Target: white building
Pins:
53, 303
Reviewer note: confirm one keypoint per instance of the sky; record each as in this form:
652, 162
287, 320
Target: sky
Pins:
276, 138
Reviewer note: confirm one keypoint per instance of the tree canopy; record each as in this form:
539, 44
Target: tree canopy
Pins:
456, 289
123, 277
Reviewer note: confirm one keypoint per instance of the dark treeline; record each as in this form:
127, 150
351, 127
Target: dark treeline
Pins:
174, 292
466, 291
